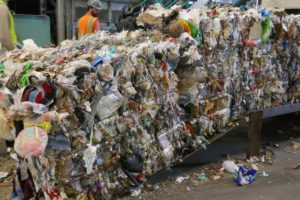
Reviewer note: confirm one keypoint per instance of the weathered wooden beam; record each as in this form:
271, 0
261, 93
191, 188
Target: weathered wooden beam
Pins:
254, 133
3, 149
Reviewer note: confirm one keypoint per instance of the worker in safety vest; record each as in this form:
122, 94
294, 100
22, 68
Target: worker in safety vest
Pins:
8, 37
90, 23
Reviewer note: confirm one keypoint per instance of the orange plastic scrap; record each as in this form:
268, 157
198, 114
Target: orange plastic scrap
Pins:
189, 127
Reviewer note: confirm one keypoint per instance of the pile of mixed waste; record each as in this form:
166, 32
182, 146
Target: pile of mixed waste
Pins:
93, 118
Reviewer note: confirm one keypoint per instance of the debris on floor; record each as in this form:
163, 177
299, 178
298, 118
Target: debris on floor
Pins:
295, 144
245, 176
202, 177
264, 174
230, 166
180, 179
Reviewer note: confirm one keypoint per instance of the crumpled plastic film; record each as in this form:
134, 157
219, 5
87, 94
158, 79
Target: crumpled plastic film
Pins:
89, 158
130, 104
245, 176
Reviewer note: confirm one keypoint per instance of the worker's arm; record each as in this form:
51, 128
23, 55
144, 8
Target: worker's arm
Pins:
97, 26
5, 38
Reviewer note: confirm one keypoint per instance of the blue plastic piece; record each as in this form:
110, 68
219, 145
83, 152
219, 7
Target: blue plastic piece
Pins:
244, 8
98, 61
33, 95
245, 176
107, 90
264, 13
99, 161
17, 194
285, 45
112, 51
202, 177
171, 64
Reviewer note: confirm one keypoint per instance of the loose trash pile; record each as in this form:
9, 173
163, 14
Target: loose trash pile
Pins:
94, 118
245, 176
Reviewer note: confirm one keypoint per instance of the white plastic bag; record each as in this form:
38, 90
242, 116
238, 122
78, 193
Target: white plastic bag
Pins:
89, 158
31, 141
29, 45
109, 103
230, 166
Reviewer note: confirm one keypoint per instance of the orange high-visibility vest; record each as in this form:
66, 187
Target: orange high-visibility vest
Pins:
86, 25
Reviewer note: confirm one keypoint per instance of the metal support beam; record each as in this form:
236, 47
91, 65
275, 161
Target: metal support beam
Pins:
69, 18
281, 110
254, 134
43, 7
60, 6
109, 9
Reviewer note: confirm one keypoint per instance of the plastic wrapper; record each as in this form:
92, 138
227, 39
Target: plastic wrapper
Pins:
32, 141
6, 126
266, 29
230, 166
29, 45
89, 158
109, 103
245, 176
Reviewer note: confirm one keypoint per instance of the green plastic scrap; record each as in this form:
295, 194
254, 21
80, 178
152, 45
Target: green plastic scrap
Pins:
199, 38
196, 33
24, 77
94, 141
2, 67
131, 134
145, 123
267, 29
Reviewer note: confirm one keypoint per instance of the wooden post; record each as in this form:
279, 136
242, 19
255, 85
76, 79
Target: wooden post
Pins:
3, 149
254, 134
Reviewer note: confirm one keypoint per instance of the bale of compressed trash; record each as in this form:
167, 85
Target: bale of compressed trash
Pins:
94, 118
